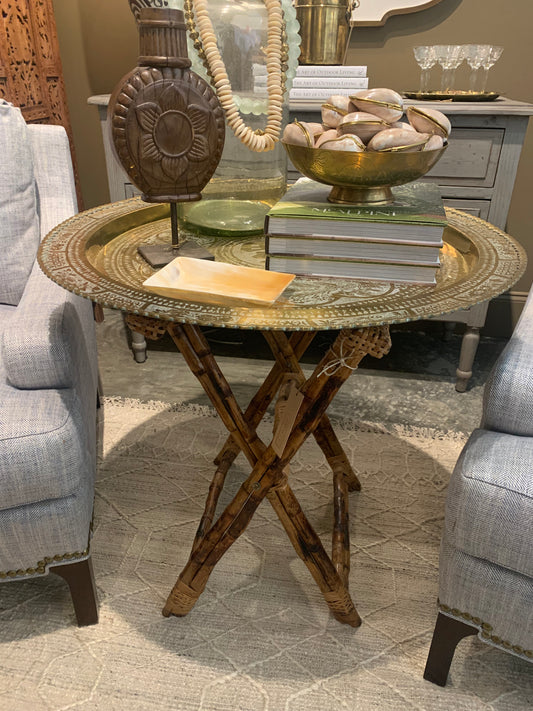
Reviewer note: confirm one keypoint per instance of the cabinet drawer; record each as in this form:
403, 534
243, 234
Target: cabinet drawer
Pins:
478, 208
471, 159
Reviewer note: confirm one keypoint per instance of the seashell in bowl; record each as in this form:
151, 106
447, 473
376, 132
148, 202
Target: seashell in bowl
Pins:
299, 134
361, 124
428, 120
398, 140
434, 143
387, 104
341, 102
329, 135
402, 124
314, 128
349, 142
332, 115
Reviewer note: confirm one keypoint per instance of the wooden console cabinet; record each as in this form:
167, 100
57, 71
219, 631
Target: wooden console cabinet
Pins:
476, 174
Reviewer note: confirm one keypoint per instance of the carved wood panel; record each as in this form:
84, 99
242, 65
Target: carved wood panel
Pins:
31, 75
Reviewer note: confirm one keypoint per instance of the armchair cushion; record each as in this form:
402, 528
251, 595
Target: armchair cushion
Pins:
508, 394
38, 345
19, 226
489, 507
41, 446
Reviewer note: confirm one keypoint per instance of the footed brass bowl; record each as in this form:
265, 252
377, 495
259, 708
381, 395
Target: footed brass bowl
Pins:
361, 178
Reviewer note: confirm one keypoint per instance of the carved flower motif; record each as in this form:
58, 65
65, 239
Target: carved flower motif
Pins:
174, 132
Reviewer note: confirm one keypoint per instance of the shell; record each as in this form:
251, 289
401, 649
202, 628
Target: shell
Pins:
361, 124
402, 124
331, 115
427, 120
329, 135
298, 134
344, 143
387, 104
341, 102
398, 139
434, 143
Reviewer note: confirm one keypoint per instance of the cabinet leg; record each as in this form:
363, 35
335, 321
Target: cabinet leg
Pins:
466, 358
138, 346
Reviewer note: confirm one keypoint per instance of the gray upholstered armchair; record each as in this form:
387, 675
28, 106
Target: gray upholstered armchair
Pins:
48, 374
486, 560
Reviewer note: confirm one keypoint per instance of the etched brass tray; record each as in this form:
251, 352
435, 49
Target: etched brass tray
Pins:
94, 254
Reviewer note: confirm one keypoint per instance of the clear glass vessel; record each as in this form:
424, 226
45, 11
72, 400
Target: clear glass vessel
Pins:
426, 58
246, 183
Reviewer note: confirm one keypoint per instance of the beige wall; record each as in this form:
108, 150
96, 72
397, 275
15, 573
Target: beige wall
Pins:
98, 42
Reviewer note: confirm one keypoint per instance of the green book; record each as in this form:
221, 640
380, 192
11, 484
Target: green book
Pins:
416, 215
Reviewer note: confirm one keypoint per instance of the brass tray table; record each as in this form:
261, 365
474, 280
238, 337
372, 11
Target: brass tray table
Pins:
94, 254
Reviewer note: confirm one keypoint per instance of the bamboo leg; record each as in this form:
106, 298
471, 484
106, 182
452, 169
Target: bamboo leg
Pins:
268, 468
310, 549
324, 434
260, 402
340, 545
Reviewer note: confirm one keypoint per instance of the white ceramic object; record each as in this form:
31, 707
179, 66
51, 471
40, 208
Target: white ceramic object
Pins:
349, 142
298, 134
329, 135
387, 104
398, 139
332, 115
426, 120
361, 124
341, 102
434, 143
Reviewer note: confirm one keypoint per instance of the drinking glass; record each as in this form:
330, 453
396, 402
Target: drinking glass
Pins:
476, 55
449, 56
425, 58
494, 54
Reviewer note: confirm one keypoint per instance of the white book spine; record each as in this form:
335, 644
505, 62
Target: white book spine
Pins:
319, 82
329, 70
330, 82
318, 70
319, 93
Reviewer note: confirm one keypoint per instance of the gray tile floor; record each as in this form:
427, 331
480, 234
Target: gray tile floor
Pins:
414, 385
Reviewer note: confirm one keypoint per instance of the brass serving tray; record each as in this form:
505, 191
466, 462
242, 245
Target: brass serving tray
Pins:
455, 95
94, 254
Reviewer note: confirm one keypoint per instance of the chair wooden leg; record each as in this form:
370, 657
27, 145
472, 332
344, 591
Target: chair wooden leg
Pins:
80, 579
448, 633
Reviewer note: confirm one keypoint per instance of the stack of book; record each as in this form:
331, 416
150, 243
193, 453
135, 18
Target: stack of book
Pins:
317, 82
308, 236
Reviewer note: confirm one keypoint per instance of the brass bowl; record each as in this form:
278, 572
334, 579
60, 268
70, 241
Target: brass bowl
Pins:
361, 178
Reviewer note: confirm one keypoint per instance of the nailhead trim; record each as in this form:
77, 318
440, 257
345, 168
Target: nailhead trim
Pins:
41, 565
486, 629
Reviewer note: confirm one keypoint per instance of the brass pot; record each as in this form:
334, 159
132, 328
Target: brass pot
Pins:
324, 29
361, 178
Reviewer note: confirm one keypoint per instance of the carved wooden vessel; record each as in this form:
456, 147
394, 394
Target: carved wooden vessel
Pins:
167, 124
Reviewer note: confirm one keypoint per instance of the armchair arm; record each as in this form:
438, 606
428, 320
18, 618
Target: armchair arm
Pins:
46, 342
52, 162
508, 395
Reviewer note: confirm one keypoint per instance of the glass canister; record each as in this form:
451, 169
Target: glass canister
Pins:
246, 182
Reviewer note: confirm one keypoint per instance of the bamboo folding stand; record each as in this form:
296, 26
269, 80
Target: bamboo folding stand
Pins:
300, 412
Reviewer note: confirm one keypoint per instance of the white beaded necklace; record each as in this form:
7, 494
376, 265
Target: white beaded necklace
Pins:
203, 36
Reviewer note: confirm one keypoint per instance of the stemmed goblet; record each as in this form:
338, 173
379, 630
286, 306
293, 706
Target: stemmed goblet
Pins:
425, 58
449, 56
476, 55
494, 54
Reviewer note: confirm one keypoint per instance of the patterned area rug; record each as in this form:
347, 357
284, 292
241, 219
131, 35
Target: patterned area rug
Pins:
260, 637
